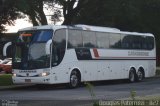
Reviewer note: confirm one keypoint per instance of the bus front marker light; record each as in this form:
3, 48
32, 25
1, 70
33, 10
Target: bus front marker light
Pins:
45, 74
14, 74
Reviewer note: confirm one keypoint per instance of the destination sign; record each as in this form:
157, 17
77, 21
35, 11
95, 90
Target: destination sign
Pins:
135, 53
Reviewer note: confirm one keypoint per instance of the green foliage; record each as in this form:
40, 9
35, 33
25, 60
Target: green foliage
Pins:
133, 95
33, 9
90, 89
7, 13
10, 10
6, 80
158, 72
89, 86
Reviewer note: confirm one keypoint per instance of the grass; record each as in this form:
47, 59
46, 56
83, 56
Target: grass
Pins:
6, 80
158, 72
153, 100
154, 97
133, 96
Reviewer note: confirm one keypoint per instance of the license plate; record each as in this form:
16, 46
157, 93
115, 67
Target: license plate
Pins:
27, 80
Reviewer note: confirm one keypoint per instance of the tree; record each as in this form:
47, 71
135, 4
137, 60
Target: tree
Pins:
127, 15
70, 9
7, 13
10, 10
56, 16
34, 10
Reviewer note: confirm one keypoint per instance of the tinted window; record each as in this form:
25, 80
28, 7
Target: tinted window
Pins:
149, 42
74, 39
42, 36
115, 40
137, 42
126, 41
142, 41
89, 39
59, 39
102, 40
35, 36
59, 45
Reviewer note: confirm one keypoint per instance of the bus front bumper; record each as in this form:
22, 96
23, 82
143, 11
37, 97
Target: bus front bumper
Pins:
31, 80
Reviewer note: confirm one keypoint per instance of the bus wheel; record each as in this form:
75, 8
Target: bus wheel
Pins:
132, 75
140, 75
74, 79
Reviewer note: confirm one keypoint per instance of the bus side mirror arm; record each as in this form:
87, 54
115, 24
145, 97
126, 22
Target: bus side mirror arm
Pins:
5, 48
48, 47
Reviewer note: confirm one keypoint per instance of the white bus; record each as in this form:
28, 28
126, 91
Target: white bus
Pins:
73, 54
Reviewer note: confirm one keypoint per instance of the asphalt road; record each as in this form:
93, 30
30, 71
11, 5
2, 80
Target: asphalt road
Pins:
108, 90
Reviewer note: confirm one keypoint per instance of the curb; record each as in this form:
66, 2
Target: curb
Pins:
13, 86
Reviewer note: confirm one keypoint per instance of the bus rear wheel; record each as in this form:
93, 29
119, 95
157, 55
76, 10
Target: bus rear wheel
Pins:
132, 75
74, 79
140, 75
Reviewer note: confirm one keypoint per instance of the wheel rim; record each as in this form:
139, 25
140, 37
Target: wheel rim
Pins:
132, 77
140, 75
74, 80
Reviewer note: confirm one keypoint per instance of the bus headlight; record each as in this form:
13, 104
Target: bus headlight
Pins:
14, 75
45, 74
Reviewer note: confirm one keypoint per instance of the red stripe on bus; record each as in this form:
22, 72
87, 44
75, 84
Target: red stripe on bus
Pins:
95, 51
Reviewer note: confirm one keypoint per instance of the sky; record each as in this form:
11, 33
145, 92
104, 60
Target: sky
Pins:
19, 24
23, 23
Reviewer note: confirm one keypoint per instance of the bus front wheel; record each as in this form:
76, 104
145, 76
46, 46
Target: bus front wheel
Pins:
74, 79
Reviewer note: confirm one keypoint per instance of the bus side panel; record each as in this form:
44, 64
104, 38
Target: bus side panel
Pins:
151, 68
61, 73
109, 65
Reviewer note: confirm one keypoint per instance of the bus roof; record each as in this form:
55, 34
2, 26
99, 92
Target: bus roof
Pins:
85, 27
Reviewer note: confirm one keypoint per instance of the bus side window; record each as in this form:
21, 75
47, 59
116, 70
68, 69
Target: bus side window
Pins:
114, 40
74, 39
89, 39
124, 44
102, 40
58, 47
149, 42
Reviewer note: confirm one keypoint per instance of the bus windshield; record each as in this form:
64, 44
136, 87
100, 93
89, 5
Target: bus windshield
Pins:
30, 50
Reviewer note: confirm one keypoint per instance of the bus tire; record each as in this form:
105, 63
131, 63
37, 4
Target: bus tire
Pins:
140, 75
74, 79
132, 75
